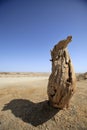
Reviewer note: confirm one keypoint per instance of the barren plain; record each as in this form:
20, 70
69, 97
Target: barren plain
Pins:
24, 104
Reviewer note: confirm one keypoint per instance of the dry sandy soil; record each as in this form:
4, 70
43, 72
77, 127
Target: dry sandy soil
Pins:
24, 105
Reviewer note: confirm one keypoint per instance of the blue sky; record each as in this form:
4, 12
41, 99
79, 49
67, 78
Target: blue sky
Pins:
30, 28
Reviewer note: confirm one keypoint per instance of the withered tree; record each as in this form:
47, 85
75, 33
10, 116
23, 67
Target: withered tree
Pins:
62, 81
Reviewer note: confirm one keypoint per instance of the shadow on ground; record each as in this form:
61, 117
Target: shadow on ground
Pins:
33, 113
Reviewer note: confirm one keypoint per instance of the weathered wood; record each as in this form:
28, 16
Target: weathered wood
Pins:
62, 81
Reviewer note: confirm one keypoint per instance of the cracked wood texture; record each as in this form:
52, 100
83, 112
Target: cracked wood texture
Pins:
62, 81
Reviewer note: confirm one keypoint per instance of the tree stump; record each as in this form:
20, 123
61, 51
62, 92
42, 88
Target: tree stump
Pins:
62, 81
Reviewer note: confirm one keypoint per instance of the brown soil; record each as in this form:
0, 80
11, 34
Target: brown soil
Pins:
24, 105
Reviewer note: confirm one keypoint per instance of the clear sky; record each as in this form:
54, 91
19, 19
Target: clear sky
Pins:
30, 28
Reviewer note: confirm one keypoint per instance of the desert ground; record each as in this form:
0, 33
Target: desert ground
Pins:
24, 104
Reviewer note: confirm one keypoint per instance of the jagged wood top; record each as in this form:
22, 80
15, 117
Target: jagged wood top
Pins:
62, 44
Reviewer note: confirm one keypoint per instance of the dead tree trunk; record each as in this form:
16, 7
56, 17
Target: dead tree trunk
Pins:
62, 81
